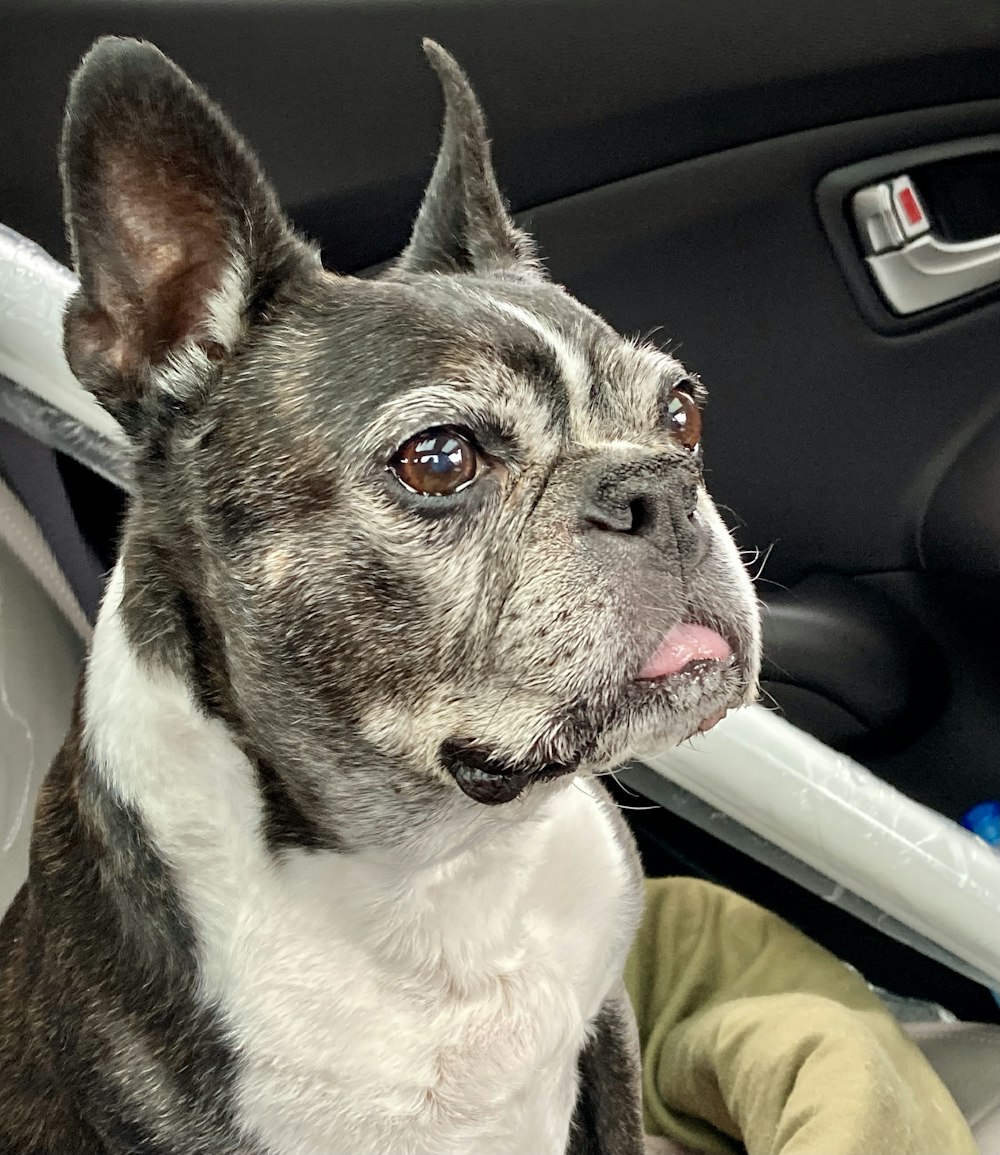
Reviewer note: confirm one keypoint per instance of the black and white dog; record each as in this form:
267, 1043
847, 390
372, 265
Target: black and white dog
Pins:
323, 867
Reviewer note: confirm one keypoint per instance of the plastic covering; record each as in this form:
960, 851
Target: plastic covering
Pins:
755, 781
38, 392
824, 820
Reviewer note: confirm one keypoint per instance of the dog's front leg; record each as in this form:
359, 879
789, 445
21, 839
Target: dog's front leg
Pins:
608, 1115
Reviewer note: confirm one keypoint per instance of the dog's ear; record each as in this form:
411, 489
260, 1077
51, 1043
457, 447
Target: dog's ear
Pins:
176, 235
463, 225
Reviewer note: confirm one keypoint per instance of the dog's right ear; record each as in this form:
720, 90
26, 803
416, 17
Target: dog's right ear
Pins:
176, 235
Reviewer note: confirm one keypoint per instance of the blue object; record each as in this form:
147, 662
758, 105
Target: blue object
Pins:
984, 820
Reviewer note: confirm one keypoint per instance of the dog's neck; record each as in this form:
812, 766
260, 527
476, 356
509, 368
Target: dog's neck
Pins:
151, 744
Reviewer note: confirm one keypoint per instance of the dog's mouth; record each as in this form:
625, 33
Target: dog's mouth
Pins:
684, 645
689, 651
487, 778
689, 672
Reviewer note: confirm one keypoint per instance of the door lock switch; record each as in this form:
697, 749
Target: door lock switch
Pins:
909, 211
875, 217
888, 214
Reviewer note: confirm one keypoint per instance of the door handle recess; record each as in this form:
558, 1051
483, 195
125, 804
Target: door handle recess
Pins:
913, 268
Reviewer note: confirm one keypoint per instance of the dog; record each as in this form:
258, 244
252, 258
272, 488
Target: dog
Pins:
324, 866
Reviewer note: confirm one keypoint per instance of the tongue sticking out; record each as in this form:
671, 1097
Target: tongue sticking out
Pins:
682, 646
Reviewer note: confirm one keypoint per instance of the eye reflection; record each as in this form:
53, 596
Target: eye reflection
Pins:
684, 417
436, 463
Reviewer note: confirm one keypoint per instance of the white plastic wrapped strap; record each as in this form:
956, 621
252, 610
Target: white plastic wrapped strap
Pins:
902, 867
38, 393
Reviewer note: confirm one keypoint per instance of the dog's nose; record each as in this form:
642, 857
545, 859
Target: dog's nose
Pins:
660, 507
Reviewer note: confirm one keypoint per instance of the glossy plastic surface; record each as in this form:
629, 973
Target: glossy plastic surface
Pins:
38, 393
934, 881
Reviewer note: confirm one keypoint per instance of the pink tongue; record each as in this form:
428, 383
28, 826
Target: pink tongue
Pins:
683, 645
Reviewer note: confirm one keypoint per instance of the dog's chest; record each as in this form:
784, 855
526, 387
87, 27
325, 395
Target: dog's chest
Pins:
391, 1029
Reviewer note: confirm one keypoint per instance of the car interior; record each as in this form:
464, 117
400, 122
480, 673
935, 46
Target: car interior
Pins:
801, 201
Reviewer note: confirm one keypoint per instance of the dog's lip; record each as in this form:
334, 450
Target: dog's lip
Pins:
485, 778
684, 645
711, 720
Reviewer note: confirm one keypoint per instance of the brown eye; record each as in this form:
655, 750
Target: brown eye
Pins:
436, 463
684, 417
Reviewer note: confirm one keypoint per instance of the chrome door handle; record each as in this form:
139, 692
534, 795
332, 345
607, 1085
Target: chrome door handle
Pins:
914, 268
929, 271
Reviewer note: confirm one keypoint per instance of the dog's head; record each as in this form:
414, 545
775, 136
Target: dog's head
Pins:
432, 536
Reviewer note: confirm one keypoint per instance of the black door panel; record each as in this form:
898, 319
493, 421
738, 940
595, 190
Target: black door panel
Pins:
338, 101
826, 438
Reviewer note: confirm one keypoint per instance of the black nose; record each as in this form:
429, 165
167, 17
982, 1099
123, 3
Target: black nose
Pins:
660, 506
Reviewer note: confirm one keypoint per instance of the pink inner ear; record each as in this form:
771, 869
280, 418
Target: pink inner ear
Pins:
172, 251
94, 342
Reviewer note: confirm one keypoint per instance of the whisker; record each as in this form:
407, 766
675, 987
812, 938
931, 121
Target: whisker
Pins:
621, 784
621, 805
500, 705
775, 707
767, 556
729, 509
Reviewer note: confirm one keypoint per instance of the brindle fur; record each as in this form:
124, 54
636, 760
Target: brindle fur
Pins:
345, 631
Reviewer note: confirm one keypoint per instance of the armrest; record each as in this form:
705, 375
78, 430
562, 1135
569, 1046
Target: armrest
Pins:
920, 876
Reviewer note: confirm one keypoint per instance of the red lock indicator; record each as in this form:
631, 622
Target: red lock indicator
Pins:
909, 210
910, 206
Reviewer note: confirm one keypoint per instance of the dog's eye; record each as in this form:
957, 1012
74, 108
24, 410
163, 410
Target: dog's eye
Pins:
684, 417
436, 463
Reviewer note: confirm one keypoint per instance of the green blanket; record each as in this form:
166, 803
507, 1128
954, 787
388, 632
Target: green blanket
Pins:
753, 1034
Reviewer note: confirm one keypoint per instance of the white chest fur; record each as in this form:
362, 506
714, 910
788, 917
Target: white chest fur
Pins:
379, 1007
439, 1014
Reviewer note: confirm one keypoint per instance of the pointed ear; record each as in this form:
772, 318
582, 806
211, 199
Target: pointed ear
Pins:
177, 237
463, 225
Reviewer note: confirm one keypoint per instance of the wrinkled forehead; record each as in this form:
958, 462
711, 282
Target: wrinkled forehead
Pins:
526, 361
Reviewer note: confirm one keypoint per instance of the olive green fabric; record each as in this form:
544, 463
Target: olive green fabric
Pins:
751, 1033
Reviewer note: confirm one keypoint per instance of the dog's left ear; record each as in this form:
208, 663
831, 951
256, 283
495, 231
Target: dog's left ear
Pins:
463, 225
176, 235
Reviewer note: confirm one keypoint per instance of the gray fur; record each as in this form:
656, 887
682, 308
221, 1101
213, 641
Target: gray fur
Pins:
608, 1115
369, 649
608, 1119
463, 226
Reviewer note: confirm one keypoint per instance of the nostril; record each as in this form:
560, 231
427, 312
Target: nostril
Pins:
641, 510
636, 517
